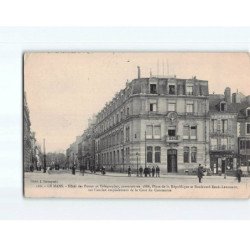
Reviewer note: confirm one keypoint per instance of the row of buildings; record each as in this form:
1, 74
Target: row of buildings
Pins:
32, 156
170, 122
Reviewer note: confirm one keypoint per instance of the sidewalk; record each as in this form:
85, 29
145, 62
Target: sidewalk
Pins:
181, 176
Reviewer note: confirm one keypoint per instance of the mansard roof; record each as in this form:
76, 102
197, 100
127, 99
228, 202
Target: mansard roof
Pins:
214, 105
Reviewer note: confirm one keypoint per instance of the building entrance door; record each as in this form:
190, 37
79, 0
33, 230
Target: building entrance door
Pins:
172, 161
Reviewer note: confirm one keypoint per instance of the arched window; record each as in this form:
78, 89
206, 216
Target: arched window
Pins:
186, 155
157, 154
149, 154
193, 154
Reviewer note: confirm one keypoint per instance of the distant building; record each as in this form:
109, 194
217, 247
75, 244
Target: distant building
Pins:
244, 134
27, 147
72, 154
223, 133
31, 151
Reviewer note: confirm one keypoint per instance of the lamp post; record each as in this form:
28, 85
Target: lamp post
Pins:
137, 155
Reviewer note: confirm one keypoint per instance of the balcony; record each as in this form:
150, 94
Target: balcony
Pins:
175, 138
221, 148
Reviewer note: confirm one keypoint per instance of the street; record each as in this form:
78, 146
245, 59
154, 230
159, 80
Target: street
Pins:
65, 177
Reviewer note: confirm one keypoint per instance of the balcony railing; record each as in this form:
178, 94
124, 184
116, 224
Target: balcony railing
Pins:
221, 148
175, 138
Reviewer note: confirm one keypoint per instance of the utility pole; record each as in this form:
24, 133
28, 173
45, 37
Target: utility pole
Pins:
206, 133
44, 157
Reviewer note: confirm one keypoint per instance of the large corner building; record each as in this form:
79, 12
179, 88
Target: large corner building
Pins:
160, 121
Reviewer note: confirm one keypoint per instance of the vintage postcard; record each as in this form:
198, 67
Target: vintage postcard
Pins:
136, 125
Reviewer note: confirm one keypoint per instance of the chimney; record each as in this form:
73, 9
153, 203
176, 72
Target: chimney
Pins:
139, 72
227, 94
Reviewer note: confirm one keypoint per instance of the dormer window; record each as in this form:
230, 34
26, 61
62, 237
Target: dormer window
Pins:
223, 106
153, 89
171, 89
189, 89
248, 111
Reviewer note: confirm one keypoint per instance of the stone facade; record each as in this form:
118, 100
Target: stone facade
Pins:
243, 131
170, 122
27, 158
223, 134
155, 121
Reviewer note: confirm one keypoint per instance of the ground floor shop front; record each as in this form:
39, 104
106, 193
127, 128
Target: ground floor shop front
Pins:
221, 162
171, 158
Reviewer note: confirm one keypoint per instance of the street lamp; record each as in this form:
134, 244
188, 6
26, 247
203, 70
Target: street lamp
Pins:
137, 155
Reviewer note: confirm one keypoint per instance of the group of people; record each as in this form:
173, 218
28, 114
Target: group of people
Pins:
147, 171
200, 173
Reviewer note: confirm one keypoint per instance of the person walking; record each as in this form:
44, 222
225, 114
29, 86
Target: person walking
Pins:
103, 170
200, 172
153, 171
149, 171
239, 174
73, 169
129, 171
157, 171
141, 171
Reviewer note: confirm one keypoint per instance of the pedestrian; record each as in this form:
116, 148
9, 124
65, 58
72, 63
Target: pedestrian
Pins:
129, 171
103, 170
157, 171
153, 171
200, 172
149, 171
239, 174
74, 169
141, 171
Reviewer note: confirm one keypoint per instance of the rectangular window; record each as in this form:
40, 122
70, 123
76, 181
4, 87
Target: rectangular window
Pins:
122, 155
193, 132
127, 133
157, 132
152, 107
248, 128
189, 90
214, 125
150, 154
224, 126
213, 143
186, 155
190, 107
193, 154
153, 89
127, 110
171, 89
172, 106
157, 154
172, 131
218, 125
222, 106
223, 143
186, 132
149, 132
248, 112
